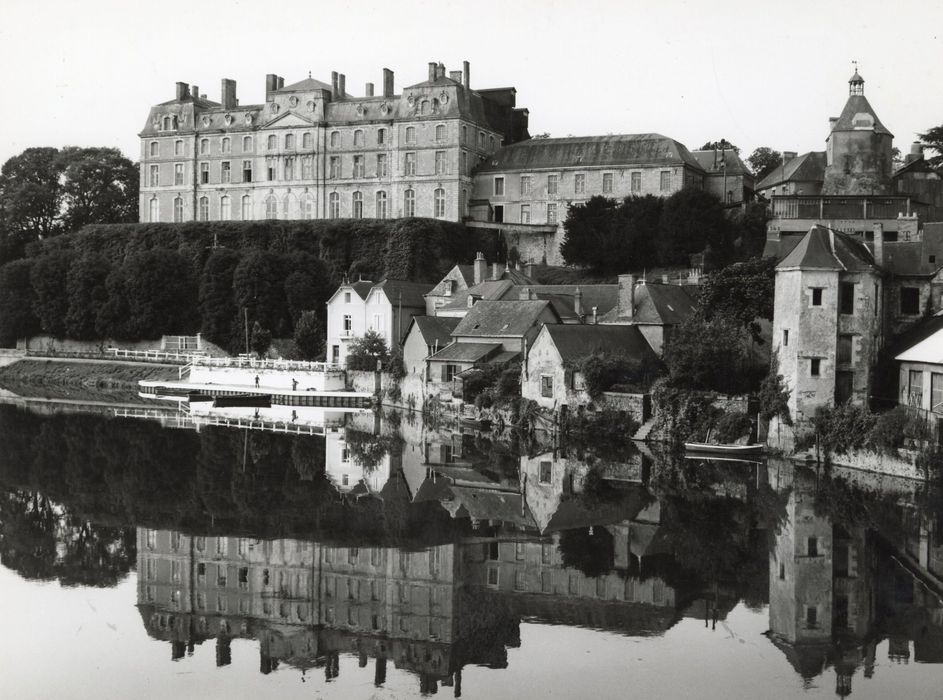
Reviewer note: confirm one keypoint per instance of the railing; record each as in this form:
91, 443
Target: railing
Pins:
195, 422
838, 207
243, 362
155, 355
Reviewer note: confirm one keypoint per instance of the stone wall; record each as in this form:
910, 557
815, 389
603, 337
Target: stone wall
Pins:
902, 465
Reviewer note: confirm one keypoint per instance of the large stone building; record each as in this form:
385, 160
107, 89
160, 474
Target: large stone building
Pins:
314, 151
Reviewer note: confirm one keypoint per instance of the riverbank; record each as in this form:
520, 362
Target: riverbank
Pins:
58, 379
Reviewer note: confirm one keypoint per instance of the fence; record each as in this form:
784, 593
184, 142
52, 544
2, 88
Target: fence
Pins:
245, 362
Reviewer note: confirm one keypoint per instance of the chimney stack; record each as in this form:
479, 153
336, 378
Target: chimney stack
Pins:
466, 68
916, 153
369, 90
788, 156
433, 67
480, 267
228, 91
333, 84
271, 85
194, 92
342, 86
387, 82
456, 75
879, 244
497, 269
578, 302
182, 91
281, 82
627, 296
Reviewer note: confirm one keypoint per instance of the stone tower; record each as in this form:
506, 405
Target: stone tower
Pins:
858, 153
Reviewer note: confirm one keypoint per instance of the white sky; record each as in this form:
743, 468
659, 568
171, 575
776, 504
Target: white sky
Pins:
757, 73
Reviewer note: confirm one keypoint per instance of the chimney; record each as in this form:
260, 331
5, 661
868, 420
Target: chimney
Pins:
281, 82
341, 86
595, 317
497, 269
194, 92
456, 75
627, 296
369, 90
271, 84
387, 82
433, 68
334, 84
578, 302
831, 123
916, 153
440, 71
788, 156
228, 91
480, 267
524, 294
466, 67
879, 244
182, 90
529, 270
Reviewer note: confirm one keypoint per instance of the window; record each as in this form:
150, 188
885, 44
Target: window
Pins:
358, 137
272, 142
289, 168
307, 140
381, 137
306, 168
811, 617
358, 166
178, 173
499, 187
178, 209
381, 205
525, 185
481, 140
546, 386
782, 572
204, 173
335, 139
551, 185
635, 183
270, 170
356, 203
153, 214
546, 473
607, 183
346, 300
845, 349
812, 547
334, 205
178, 148
464, 163
464, 134
226, 145
440, 132
492, 144
155, 148
785, 337
246, 207
438, 198
492, 576
814, 366
247, 171
450, 371
409, 203
551, 213
271, 207
410, 134
909, 301
816, 296
499, 213
440, 162
579, 183
225, 172
204, 208
915, 388
381, 165
525, 213
289, 141
424, 107
410, 164
246, 144
665, 181
154, 178
335, 167
287, 203
520, 583
846, 298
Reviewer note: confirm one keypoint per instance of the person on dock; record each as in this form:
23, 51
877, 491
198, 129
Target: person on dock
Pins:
294, 385
256, 381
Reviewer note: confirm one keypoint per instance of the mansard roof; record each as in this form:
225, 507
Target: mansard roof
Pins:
825, 249
858, 104
809, 167
591, 151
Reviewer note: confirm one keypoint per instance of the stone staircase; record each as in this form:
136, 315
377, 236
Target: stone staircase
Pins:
644, 429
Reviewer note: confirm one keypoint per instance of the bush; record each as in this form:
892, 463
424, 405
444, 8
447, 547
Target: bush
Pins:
366, 351
842, 428
509, 383
732, 426
893, 428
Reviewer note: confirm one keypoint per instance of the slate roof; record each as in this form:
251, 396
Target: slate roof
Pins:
809, 167
590, 151
824, 249
712, 159
466, 352
500, 319
857, 104
436, 330
413, 293
577, 341
658, 304
306, 85
603, 296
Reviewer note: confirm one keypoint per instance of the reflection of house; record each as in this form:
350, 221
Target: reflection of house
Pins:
346, 472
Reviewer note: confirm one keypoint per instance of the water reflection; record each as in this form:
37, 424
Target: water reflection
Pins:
425, 549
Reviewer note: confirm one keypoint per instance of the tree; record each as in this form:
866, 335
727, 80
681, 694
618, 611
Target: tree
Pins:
705, 355
721, 145
763, 161
17, 319
740, 294
113, 318
261, 339
591, 238
100, 187
694, 221
160, 293
219, 317
933, 139
87, 291
51, 303
259, 287
366, 350
309, 336
31, 193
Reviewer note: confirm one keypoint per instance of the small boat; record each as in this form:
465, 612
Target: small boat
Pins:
724, 450
197, 397
243, 400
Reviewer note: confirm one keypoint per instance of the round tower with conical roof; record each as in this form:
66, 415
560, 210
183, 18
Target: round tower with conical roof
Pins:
858, 149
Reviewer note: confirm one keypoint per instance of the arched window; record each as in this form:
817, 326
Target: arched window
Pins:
272, 141
155, 148
153, 210
334, 205
225, 208
289, 141
178, 148
178, 209
356, 205
381, 137
246, 207
271, 207
492, 143
306, 140
381, 205
481, 140
226, 145
424, 107
307, 207
204, 208
440, 132
358, 137
246, 144
204, 146
439, 203
410, 134
335, 139
409, 203
167, 123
